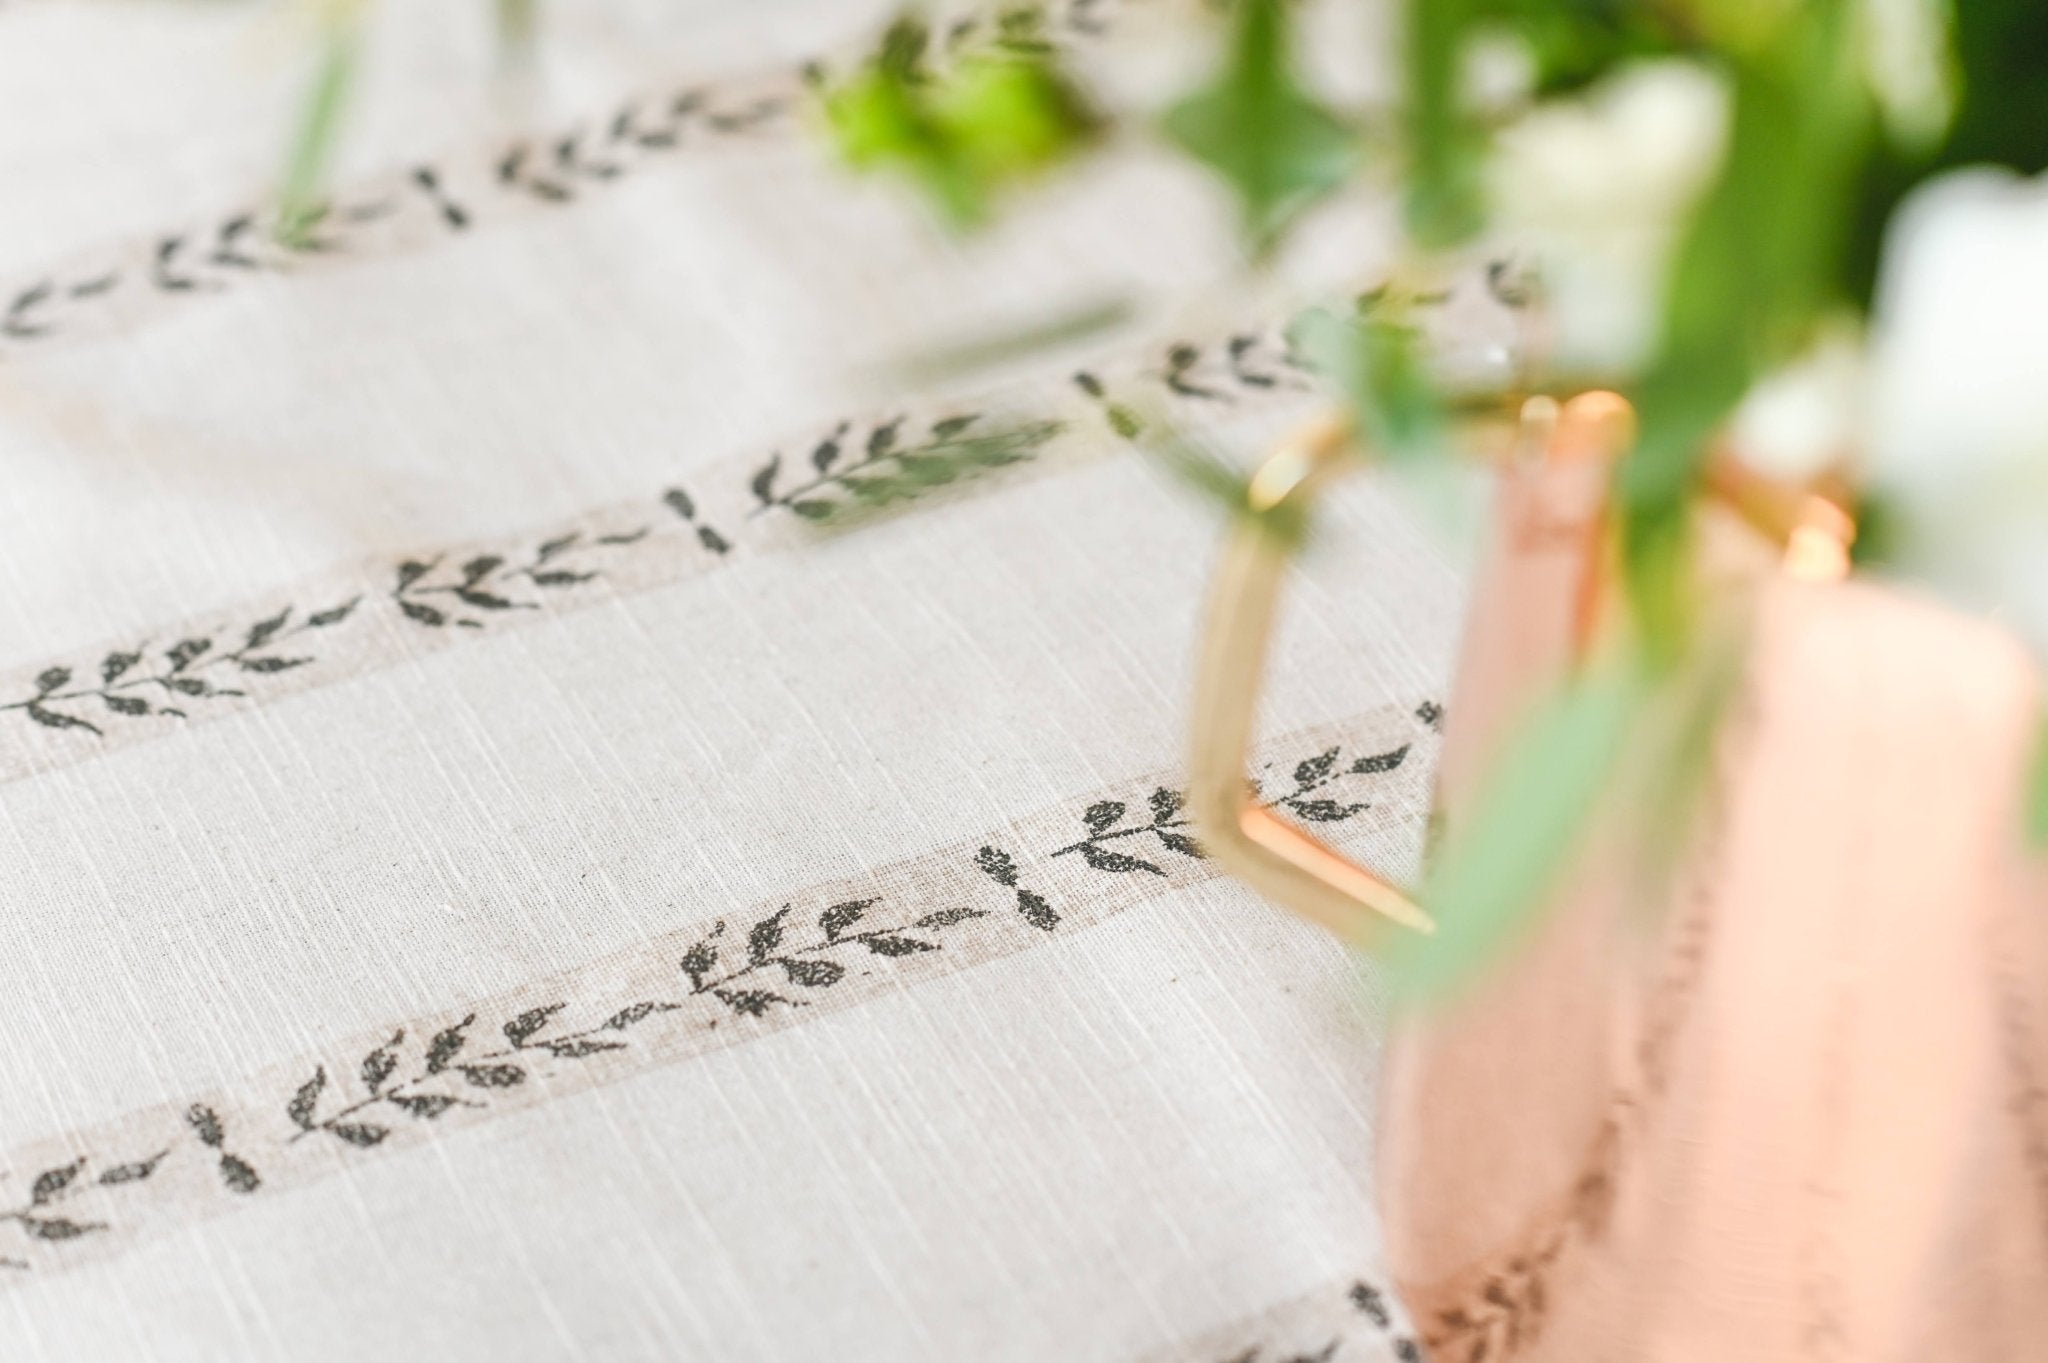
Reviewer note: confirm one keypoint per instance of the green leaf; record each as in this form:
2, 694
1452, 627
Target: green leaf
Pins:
1258, 128
1511, 850
1759, 265
319, 122
1445, 148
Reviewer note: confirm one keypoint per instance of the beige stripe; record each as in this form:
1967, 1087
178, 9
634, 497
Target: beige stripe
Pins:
700, 988
378, 612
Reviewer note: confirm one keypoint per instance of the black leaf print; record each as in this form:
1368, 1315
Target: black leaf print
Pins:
1407, 1351
752, 1002
52, 678
57, 1227
425, 1106
636, 1012
883, 438
812, 974
237, 1173
1102, 859
561, 579
189, 686
204, 1124
1368, 1299
581, 1047
1183, 844
712, 540
946, 918
1432, 714
519, 1029
447, 1044
260, 633
1386, 761
698, 961
953, 425
766, 936
411, 571
127, 705
1103, 815
812, 509
1323, 811
889, 944
361, 1134
549, 548
186, 651
997, 865
1312, 771
763, 484
52, 719
679, 502
493, 1076
1036, 911
114, 664
378, 1064
132, 1173
826, 454
1165, 804
300, 1109
426, 615
334, 615
271, 664
840, 917
51, 1182
479, 568
486, 601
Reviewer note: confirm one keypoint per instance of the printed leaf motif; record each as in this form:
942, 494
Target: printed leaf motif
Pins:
561, 579
185, 652
260, 633
51, 719
883, 438
581, 1047
1165, 804
204, 1124
447, 1044
1183, 844
238, 1175
766, 936
827, 454
57, 1227
1102, 859
493, 1076
712, 540
636, 1012
698, 961
1316, 769
840, 917
114, 664
334, 615
126, 705
1103, 815
272, 664
1323, 811
51, 1182
424, 614
485, 601
946, 918
52, 678
411, 571
763, 485
480, 567
814, 509
1386, 761
997, 865
189, 686
678, 501
300, 1109
1036, 911
888, 944
519, 1029
953, 425
813, 974
378, 1064
132, 1173
425, 1106
752, 1002
363, 1134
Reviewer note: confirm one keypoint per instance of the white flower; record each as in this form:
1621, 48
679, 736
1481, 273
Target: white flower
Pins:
1596, 190
1959, 392
1808, 416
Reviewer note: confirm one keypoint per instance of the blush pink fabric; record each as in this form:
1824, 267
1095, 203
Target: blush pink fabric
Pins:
1795, 1112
